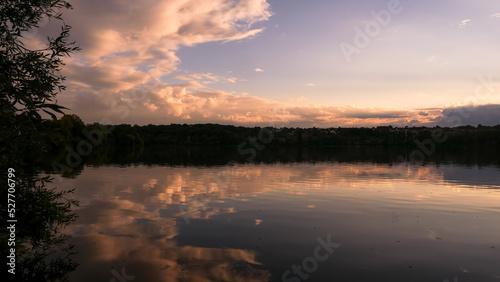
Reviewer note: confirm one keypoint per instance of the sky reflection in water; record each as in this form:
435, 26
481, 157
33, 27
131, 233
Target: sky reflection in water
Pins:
394, 223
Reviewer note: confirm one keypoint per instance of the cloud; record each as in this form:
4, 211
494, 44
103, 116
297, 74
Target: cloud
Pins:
470, 115
122, 57
119, 54
119, 75
206, 78
497, 15
374, 114
463, 23
328, 116
296, 100
311, 84
191, 102
140, 228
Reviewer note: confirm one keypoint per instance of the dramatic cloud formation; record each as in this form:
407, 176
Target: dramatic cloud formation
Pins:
128, 48
175, 103
129, 71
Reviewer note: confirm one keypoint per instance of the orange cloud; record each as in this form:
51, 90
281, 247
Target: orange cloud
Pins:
128, 44
117, 76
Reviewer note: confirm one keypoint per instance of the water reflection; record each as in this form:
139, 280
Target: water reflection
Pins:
251, 222
217, 156
35, 246
146, 249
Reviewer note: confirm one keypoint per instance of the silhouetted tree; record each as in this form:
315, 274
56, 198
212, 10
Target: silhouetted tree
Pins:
29, 83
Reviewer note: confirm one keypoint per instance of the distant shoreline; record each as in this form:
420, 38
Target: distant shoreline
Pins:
70, 130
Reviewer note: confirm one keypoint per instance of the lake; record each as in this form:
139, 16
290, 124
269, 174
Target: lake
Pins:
320, 216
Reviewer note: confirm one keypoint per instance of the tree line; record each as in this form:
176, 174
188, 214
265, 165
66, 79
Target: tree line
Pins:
70, 130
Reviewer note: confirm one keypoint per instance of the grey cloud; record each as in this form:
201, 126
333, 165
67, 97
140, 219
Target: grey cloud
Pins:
471, 115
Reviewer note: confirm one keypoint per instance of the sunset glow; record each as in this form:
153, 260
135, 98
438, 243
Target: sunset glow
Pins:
283, 63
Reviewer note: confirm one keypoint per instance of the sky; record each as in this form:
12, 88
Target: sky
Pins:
322, 63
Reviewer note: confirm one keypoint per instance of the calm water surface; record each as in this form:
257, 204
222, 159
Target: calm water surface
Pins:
312, 221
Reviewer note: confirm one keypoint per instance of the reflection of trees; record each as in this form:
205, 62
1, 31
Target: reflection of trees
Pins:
217, 156
42, 215
29, 82
130, 217
42, 253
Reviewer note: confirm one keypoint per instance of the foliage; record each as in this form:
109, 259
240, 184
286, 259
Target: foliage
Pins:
29, 82
30, 79
129, 136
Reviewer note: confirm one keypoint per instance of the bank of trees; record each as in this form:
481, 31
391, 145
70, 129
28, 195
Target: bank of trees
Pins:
68, 131
29, 83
